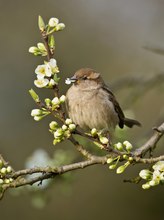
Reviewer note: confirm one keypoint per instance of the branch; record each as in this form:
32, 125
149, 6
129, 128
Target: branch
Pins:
48, 172
151, 143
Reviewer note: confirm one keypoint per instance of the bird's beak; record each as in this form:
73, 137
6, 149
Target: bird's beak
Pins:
70, 80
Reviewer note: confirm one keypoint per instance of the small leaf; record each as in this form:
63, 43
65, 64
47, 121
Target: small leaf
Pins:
34, 95
56, 79
51, 41
41, 23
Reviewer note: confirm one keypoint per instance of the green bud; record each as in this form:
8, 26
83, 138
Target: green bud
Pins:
51, 41
9, 169
130, 159
1, 181
113, 166
119, 146
58, 133
55, 141
48, 102
3, 170
104, 140
146, 186
125, 157
7, 181
120, 169
128, 145
68, 121
53, 125
60, 27
38, 118
67, 134
36, 112
64, 127
55, 101
110, 160
33, 49
72, 127
11, 180
62, 99
53, 22
94, 132
145, 174
41, 23
154, 182
34, 95
41, 46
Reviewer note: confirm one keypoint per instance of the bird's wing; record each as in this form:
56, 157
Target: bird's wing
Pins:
117, 107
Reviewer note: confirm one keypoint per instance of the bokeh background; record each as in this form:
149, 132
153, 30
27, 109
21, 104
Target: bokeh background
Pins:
105, 35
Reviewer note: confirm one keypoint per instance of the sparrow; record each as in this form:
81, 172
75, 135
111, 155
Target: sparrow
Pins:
91, 104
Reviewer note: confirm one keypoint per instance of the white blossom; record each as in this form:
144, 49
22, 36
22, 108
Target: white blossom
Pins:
52, 82
53, 65
146, 186
41, 46
145, 174
68, 121
104, 140
36, 112
62, 98
128, 145
40, 83
53, 22
159, 166
119, 146
42, 71
64, 127
33, 49
60, 27
72, 127
9, 169
55, 101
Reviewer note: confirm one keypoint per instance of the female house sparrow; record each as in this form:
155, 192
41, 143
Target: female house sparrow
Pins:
91, 104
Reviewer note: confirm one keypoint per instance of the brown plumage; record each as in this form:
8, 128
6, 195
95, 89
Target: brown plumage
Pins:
91, 104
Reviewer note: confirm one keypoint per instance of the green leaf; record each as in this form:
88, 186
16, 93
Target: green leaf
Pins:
56, 79
51, 41
41, 23
34, 95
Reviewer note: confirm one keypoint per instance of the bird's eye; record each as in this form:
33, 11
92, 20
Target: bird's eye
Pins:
84, 77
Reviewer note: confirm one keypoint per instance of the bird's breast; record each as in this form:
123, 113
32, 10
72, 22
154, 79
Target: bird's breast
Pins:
91, 108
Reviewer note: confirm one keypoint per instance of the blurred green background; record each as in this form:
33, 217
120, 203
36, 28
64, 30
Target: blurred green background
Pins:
105, 35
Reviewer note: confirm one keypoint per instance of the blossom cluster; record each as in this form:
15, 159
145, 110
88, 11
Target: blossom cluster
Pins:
51, 105
62, 133
46, 74
125, 146
154, 177
98, 134
4, 172
55, 25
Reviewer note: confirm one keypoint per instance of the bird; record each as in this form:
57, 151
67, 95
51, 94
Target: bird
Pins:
91, 104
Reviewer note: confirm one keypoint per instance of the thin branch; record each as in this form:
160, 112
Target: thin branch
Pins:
45, 39
151, 143
149, 160
49, 172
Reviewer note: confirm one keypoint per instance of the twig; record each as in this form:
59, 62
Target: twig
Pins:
151, 143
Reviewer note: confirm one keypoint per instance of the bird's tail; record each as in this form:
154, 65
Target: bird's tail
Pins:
130, 122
